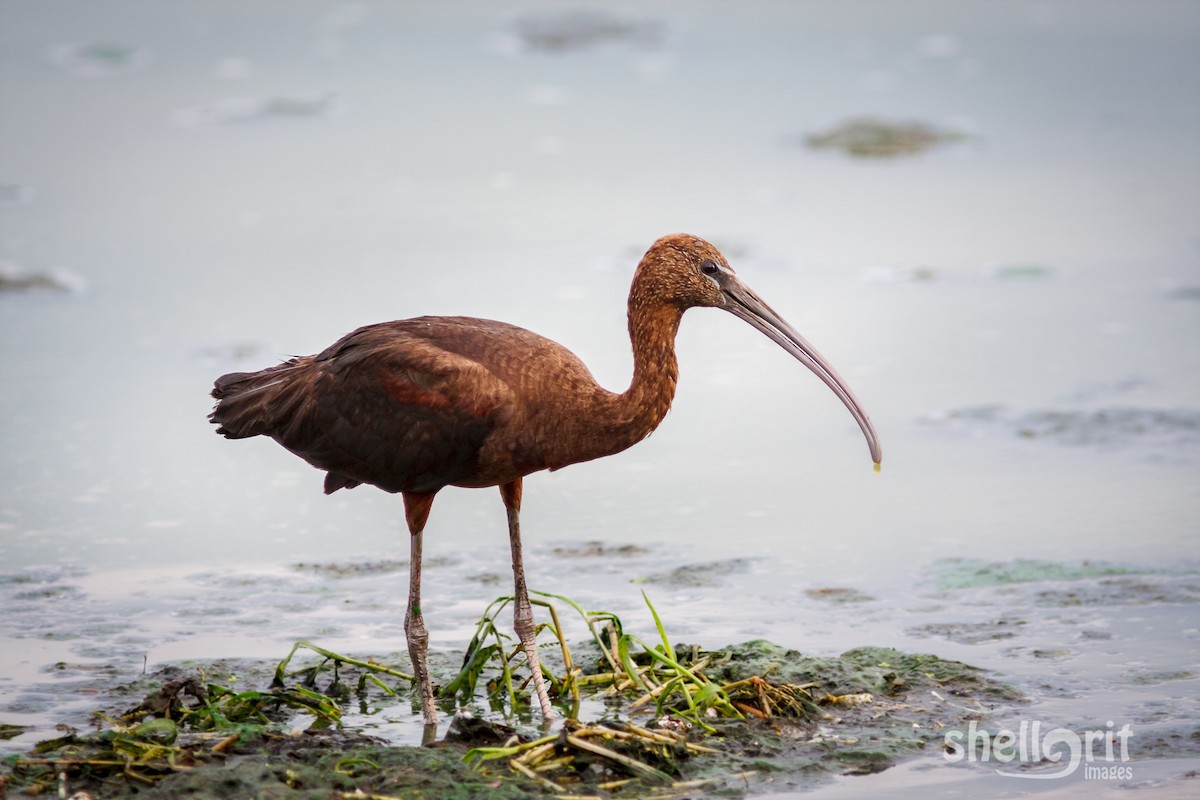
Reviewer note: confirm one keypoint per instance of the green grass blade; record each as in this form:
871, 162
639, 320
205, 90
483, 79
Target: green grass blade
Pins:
662, 633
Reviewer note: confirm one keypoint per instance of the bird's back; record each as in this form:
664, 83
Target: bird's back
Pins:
410, 405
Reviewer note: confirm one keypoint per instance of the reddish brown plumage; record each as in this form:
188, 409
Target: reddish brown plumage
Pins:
419, 404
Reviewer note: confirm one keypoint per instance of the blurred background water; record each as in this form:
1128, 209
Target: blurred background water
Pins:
985, 215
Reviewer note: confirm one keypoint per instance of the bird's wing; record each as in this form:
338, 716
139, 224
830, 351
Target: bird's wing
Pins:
387, 406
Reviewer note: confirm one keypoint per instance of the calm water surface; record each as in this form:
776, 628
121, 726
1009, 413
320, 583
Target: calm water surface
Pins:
219, 186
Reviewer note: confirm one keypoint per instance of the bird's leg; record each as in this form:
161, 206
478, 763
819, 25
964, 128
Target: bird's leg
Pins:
523, 613
416, 511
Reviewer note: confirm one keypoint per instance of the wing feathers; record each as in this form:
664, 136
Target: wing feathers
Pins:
380, 406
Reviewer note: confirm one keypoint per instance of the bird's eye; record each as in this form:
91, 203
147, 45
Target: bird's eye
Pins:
709, 267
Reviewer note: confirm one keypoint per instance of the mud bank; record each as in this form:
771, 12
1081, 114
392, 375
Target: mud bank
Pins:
181, 732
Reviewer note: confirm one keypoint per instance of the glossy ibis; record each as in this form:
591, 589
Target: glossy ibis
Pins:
419, 404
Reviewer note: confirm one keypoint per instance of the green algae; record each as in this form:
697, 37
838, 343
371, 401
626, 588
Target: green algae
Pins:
868, 137
678, 719
1161, 676
965, 573
330, 765
874, 707
8, 731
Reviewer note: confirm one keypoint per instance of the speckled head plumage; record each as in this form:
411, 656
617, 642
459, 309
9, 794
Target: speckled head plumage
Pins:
673, 271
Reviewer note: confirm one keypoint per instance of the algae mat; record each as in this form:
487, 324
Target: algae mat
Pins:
864, 711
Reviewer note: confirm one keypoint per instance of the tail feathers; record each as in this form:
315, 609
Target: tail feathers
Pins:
279, 403
254, 403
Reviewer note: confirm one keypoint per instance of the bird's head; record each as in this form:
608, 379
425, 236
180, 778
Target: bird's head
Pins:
679, 269
686, 271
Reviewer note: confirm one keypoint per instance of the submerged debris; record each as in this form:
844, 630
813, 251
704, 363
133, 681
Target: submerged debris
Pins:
708, 573
1128, 590
98, 59
13, 279
971, 632
234, 110
1114, 426
598, 549
1184, 292
354, 569
14, 194
1032, 590
839, 594
363, 568
964, 573
869, 137
580, 29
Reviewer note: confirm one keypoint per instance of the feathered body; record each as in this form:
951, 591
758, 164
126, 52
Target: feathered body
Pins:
419, 404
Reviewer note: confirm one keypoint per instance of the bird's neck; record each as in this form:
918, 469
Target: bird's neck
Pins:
637, 412
601, 422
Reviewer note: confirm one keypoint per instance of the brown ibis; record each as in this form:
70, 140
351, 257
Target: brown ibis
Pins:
416, 405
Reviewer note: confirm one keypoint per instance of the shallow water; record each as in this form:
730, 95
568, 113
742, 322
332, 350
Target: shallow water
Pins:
216, 187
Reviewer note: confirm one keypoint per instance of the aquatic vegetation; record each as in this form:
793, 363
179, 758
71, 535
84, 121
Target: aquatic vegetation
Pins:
680, 718
8, 731
962, 573
1022, 271
868, 137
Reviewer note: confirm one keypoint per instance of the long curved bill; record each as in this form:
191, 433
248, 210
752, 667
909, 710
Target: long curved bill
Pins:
743, 303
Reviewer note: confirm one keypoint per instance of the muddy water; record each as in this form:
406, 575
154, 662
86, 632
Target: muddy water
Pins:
1015, 301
